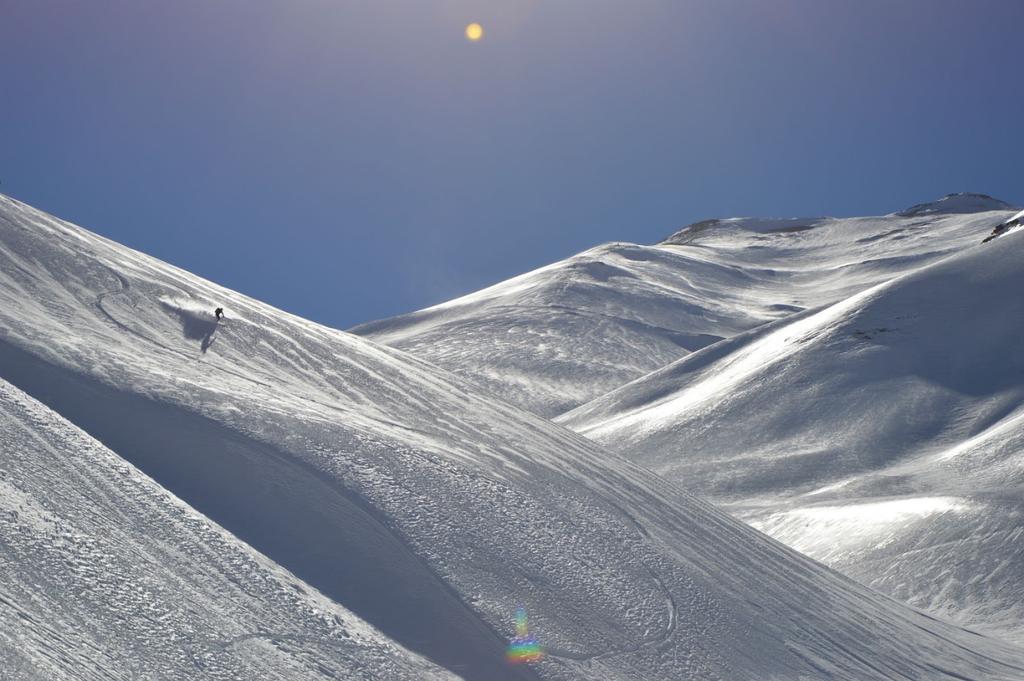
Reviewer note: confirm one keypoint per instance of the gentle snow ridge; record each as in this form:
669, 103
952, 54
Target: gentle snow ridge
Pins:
907, 391
555, 338
420, 504
964, 202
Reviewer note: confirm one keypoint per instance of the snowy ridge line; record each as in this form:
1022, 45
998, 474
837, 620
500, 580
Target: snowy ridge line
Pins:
555, 338
961, 202
910, 394
124, 288
483, 507
736, 368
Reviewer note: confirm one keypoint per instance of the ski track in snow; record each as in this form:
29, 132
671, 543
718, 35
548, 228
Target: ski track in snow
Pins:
124, 287
108, 546
839, 431
662, 418
415, 510
672, 614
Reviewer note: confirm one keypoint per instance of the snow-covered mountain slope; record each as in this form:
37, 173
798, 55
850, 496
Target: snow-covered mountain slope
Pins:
883, 434
104, 575
1014, 223
425, 508
557, 337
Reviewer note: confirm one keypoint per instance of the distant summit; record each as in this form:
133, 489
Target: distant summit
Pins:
963, 202
959, 203
759, 225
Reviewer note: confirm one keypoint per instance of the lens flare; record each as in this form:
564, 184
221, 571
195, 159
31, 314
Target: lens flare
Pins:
523, 648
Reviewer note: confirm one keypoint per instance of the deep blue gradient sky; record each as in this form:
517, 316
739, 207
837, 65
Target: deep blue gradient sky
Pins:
353, 159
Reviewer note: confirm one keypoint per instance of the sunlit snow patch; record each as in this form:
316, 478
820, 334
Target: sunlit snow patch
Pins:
734, 370
830, 488
826, 532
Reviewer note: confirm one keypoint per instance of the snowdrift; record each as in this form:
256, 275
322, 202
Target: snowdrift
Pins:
427, 509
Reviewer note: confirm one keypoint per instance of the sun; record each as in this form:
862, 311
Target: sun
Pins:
474, 32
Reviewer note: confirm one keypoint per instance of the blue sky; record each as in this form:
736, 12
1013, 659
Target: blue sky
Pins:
350, 160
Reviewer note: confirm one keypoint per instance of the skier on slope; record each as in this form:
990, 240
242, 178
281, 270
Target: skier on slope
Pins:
219, 313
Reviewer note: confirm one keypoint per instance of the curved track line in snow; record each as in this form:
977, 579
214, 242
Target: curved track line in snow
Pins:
125, 286
657, 638
156, 409
123, 290
654, 640
324, 533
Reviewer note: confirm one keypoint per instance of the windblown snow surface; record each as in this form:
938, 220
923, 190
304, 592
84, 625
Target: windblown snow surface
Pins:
883, 434
104, 575
425, 508
564, 334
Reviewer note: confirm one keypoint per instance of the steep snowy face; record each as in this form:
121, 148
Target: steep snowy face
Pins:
881, 434
104, 575
1011, 225
554, 338
423, 507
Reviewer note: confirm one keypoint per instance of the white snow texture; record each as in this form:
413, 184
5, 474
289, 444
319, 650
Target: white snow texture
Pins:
267, 497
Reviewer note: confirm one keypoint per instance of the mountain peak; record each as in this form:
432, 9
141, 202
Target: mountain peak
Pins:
961, 202
759, 225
